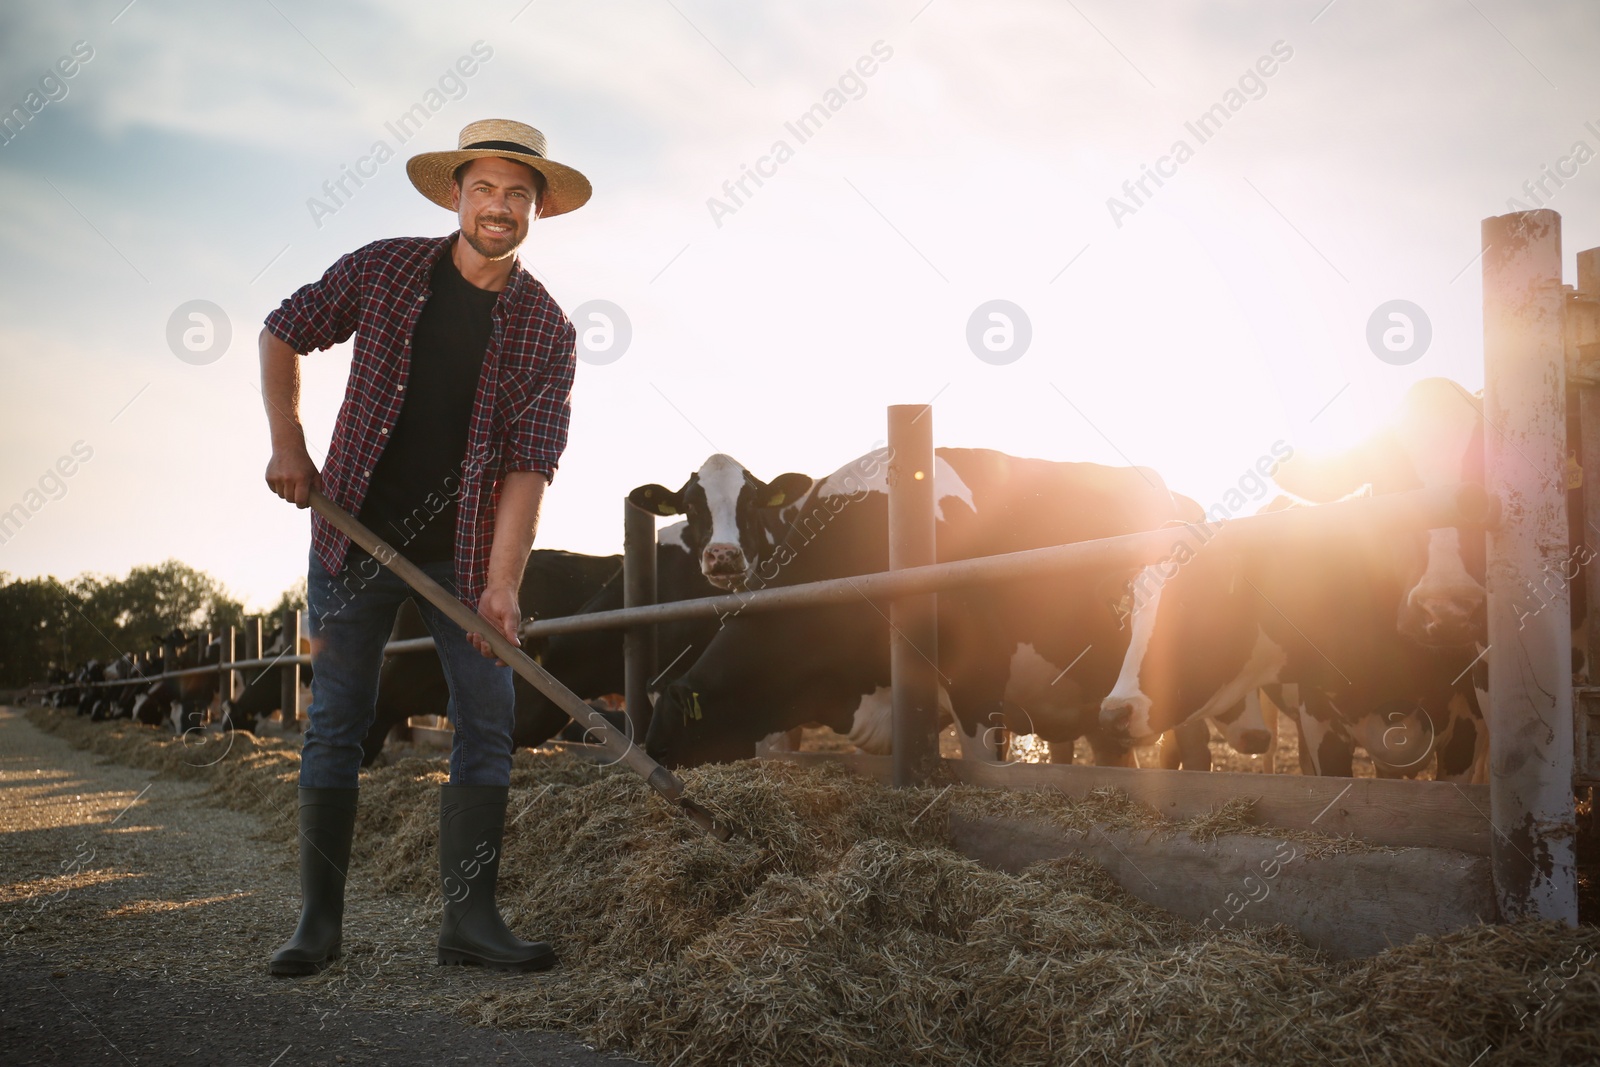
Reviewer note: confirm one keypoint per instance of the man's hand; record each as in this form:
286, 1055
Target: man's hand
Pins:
520, 495
292, 475
290, 472
499, 606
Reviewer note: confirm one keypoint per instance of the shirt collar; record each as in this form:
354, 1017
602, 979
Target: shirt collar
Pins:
514, 284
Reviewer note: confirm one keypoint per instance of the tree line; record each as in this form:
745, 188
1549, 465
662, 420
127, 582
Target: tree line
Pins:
47, 622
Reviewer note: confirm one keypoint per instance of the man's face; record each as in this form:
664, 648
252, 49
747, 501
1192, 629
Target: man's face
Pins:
495, 201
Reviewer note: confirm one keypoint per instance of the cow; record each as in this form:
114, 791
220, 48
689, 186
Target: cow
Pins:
114, 702
554, 583
591, 662
557, 584
1330, 610
261, 693
57, 679
1436, 440
152, 700
196, 691
728, 515
1030, 656
89, 673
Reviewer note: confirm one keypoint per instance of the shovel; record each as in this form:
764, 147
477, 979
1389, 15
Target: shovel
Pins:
620, 748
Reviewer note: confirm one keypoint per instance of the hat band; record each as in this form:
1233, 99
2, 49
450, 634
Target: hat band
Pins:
502, 146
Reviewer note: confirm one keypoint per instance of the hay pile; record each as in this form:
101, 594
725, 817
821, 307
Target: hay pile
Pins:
839, 929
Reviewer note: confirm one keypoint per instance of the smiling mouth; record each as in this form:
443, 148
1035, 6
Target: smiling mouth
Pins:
496, 228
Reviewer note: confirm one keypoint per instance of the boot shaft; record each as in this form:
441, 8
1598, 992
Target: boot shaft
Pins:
471, 830
327, 828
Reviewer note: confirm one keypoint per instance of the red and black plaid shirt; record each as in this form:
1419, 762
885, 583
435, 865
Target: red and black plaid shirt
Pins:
519, 416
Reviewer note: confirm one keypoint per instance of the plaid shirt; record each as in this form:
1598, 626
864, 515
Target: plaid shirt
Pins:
519, 416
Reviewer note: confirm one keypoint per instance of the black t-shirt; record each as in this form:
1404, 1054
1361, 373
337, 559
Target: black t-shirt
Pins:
411, 500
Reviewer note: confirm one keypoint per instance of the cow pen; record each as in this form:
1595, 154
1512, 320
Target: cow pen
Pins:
1516, 835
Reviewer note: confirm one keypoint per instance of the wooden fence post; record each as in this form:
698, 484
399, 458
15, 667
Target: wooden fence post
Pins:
638, 588
1583, 355
1530, 683
913, 620
230, 653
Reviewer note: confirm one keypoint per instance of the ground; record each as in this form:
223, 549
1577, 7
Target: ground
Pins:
137, 922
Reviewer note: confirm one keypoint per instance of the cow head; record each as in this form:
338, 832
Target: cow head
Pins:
1436, 440
729, 514
1192, 633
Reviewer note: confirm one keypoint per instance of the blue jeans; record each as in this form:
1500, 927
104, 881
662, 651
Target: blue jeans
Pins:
351, 616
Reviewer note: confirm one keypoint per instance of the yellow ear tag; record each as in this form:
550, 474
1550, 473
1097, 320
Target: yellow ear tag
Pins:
664, 508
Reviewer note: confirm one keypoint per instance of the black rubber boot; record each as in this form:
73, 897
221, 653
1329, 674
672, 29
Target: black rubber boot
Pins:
327, 823
472, 820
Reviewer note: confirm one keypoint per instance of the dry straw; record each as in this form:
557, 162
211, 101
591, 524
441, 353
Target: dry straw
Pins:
839, 928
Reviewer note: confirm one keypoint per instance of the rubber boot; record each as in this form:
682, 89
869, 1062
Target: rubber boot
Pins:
472, 821
327, 824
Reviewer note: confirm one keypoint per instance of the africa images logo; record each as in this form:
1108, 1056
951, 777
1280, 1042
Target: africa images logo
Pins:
52, 87
1252, 85
452, 85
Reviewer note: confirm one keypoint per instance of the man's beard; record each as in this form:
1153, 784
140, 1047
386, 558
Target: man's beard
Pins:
492, 247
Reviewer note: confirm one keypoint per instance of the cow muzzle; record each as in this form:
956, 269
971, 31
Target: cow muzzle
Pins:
723, 565
1126, 719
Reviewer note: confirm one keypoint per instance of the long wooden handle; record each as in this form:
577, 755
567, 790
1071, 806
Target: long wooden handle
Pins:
619, 747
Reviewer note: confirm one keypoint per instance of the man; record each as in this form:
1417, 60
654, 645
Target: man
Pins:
453, 420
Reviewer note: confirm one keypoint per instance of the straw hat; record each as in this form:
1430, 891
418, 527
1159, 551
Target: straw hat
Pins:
433, 172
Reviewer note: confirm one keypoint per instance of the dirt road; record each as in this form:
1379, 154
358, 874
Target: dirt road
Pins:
135, 921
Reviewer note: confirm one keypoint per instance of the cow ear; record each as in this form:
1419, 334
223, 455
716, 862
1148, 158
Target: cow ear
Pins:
656, 499
784, 489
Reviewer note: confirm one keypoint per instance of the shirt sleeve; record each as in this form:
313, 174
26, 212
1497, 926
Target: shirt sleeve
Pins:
323, 313
538, 432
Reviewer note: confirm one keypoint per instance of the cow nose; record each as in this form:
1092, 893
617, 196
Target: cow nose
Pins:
1254, 742
722, 558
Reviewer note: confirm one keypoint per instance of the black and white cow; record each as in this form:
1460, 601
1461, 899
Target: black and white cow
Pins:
728, 513
1436, 439
588, 663
592, 662
89, 673
58, 678
1033, 656
554, 583
1378, 628
260, 690
1317, 610
115, 702
196, 691
152, 699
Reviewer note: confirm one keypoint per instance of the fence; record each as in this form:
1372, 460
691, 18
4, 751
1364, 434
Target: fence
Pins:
1538, 337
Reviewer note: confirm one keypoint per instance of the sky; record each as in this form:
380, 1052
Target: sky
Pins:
969, 154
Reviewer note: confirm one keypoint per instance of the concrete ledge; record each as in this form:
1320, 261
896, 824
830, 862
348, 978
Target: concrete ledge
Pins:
1350, 904
1399, 813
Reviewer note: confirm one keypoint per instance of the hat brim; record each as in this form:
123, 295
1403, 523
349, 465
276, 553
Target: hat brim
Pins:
433, 173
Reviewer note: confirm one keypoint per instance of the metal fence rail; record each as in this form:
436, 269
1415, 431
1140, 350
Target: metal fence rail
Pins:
1456, 505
